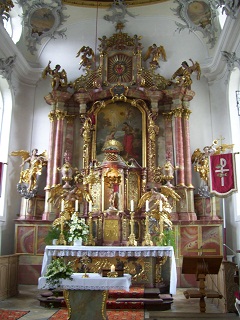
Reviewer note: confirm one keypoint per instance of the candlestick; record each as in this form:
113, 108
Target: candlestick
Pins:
147, 205
132, 205
160, 205
112, 268
90, 206
62, 205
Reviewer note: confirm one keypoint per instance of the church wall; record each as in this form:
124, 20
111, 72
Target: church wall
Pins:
30, 123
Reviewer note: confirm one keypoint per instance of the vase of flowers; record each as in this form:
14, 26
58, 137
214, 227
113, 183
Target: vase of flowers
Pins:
78, 230
58, 270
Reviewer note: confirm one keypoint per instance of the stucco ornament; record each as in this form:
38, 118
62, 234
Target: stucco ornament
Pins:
42, 20
198, 16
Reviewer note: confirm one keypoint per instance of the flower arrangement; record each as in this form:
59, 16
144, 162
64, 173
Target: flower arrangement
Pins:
77, 228
58, 270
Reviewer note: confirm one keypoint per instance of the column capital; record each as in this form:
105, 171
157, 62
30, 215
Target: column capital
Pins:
186, 113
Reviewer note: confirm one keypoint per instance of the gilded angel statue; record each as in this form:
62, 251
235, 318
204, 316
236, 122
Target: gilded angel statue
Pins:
59, 193
87, 56
36, 162
154, 196
59, 78
182, 76
155, 53
200, 159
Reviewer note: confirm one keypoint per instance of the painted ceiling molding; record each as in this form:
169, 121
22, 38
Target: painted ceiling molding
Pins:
197, 16
107, 3
232, 61
6, 67
42, 20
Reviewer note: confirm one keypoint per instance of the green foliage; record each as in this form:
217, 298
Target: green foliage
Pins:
53, 233
167, 240
58, 270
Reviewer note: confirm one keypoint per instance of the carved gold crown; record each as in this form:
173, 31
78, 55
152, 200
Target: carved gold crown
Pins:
112, 145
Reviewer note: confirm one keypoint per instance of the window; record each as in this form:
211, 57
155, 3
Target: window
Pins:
13, 25
221, 17
5, 121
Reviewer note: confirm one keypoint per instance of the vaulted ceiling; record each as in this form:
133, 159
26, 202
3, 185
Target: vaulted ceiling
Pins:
107, 3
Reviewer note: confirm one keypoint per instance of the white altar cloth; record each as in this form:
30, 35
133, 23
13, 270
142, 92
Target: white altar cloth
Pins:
113, 251
94, 282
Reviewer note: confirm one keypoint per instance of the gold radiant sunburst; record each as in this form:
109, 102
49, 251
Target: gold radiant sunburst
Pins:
120, 68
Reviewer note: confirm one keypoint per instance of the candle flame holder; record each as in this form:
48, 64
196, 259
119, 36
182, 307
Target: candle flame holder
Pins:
132, 239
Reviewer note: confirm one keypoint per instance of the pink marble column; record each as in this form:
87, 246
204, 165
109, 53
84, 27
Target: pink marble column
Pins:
179, 146
58, 146
168, 136
51, 149
187, 151
69, 134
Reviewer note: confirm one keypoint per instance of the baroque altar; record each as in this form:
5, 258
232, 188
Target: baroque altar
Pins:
119, 156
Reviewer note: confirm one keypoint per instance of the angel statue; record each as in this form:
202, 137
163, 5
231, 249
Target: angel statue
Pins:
200, 159
59, 78
36, 162
156, 53
87, 57
182, 76
154, 196
69, 196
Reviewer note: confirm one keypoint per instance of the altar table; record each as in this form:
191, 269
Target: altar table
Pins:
86, 297
114, 252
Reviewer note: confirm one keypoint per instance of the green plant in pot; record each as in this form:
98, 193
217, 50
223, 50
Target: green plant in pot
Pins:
57, 270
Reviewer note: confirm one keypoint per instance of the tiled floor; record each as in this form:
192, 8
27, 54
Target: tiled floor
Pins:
181, 308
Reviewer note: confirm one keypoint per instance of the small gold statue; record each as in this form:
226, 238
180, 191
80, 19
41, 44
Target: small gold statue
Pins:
182, 76
59, 78
156, 53
87, 57
36, 162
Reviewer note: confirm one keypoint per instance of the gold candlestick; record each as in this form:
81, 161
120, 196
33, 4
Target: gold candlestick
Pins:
147, 238
85, 261
161, 227
91, 241
132, 239
61, 239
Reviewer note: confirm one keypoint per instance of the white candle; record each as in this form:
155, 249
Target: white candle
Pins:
132, 205
90, 206
112, 268
147, 205
76, 205
160, 205
62, 205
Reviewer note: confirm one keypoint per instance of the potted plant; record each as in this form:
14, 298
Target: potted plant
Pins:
58, 270
53, 233
78, 229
